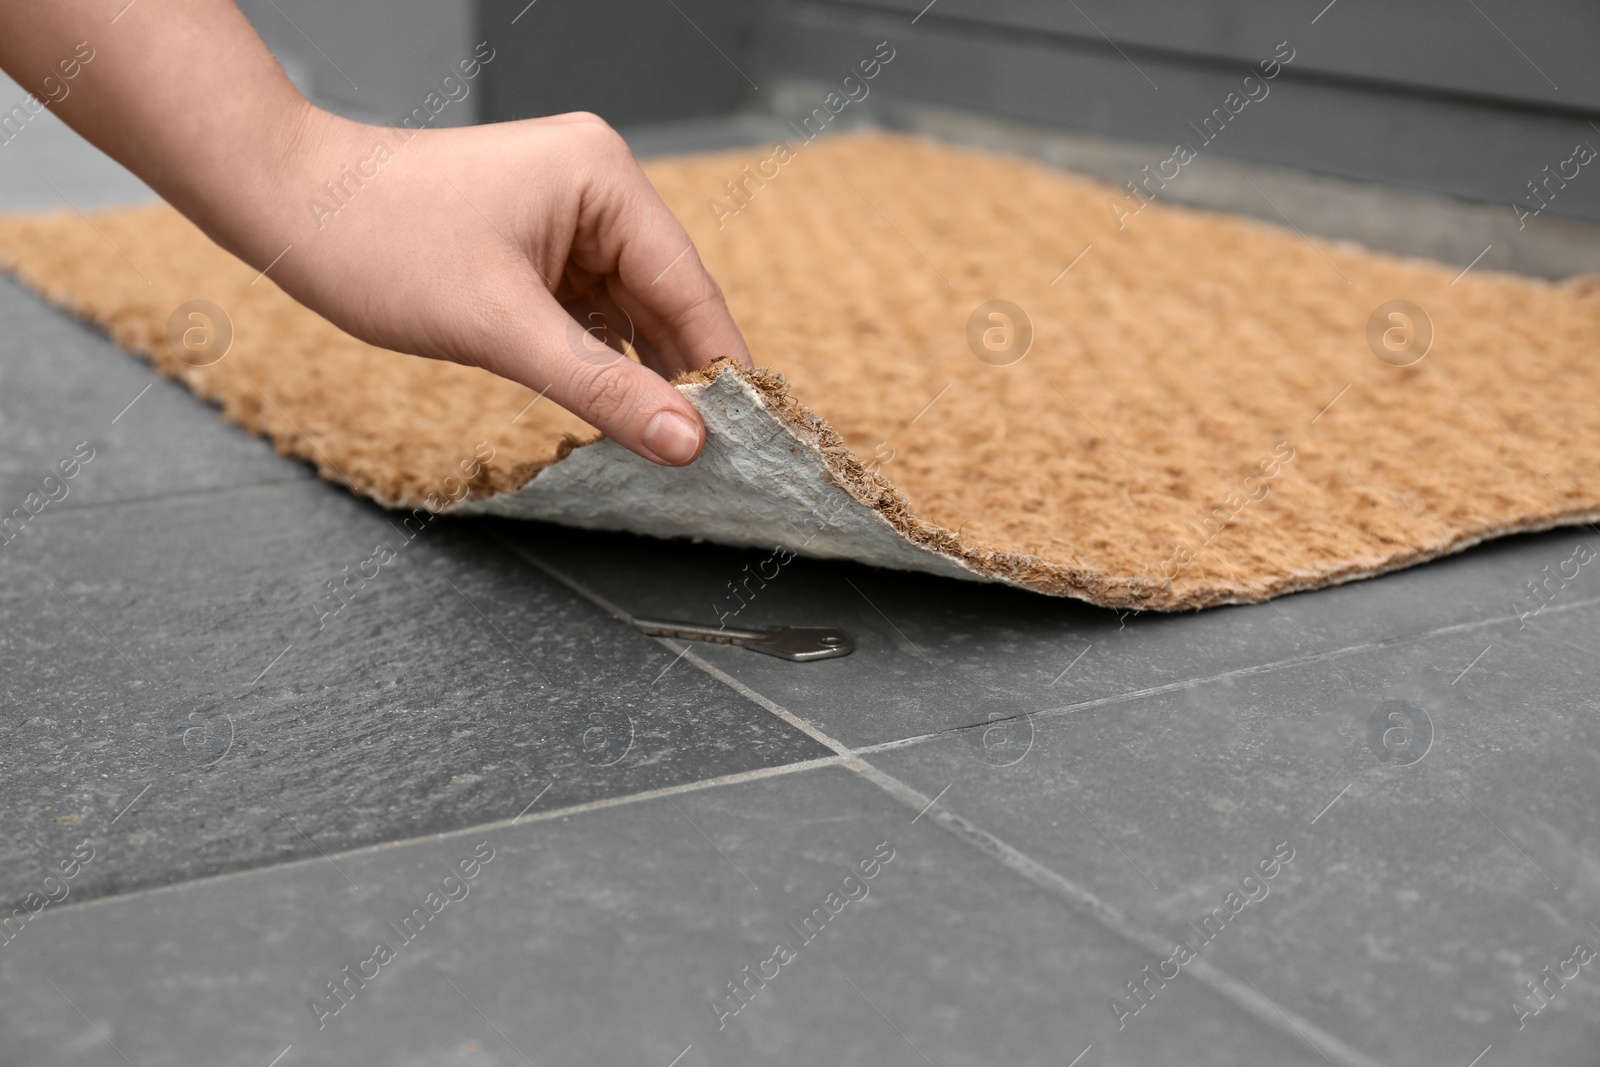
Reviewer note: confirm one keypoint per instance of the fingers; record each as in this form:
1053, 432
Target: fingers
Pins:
545, 349
604, 329
634, 406
655, 272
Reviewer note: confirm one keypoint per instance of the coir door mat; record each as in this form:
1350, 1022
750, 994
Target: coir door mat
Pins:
989, 370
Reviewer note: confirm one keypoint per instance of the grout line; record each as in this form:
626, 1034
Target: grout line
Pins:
1237, 672
1241, 993
1321, 655
1220, 981
934, 801
736, 778
839, 748
684, 651
224, 492
312, 843
1290, 1021
571, 583
998, 849
531, 803
1232, 989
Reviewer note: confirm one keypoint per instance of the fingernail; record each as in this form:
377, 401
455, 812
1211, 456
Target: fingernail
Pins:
672, 437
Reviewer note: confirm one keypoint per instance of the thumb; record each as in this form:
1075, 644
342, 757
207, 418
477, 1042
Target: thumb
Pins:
629, 403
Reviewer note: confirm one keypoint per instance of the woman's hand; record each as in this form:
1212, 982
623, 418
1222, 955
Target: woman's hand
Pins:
524, 248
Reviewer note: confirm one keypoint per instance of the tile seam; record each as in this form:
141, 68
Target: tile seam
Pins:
736, 778
1014, 859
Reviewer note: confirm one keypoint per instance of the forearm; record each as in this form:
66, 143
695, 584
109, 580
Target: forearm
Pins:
181, 92
475, 245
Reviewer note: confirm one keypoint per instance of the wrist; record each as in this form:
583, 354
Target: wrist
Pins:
250, 194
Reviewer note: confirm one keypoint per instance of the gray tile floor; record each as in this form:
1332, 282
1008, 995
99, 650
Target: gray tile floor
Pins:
972, 839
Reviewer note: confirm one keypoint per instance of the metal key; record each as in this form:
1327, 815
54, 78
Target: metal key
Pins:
798, 643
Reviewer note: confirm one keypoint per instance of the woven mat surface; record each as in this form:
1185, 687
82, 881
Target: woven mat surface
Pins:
1163, 440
